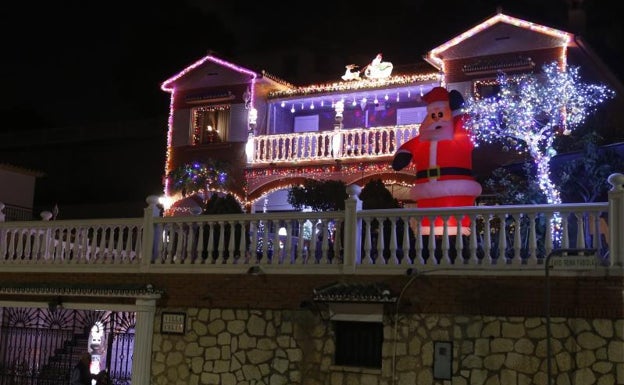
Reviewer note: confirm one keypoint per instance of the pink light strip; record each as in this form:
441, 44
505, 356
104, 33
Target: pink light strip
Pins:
498, 18
167, 84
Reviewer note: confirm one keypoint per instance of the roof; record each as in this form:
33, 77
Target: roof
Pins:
358, 85
497, 34
169, 84
20, 170
354, 292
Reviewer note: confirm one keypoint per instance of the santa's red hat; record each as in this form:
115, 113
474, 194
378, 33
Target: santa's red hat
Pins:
437, 94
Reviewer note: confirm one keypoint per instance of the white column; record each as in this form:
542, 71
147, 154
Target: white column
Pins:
352, 229
143, 335
150, 240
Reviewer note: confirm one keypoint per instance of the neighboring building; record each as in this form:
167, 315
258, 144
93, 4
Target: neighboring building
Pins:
209, 299
272, 134
17, 191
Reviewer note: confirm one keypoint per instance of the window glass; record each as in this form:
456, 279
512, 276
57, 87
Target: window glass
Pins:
210, 124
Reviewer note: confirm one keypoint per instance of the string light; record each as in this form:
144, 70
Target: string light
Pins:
356, 85
169, 86
528, 113
434, 55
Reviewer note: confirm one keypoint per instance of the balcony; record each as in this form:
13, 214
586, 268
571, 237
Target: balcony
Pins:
344, 144
513, 240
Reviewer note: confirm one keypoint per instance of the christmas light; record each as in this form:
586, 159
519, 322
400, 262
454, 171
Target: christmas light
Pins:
355, 85
530, 111
435, 58
168, 86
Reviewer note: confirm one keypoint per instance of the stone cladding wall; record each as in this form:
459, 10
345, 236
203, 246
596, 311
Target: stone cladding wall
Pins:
269, 347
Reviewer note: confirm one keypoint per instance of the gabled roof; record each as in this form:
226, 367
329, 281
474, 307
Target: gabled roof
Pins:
169, 84
499, 34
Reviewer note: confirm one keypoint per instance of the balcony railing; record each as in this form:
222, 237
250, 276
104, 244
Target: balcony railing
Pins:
498, 239
356, 143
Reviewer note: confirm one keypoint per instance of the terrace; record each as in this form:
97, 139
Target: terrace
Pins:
514, 240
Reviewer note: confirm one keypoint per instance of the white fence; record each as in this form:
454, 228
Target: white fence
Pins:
496, 239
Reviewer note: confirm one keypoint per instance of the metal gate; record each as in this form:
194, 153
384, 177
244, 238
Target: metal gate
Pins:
40, 346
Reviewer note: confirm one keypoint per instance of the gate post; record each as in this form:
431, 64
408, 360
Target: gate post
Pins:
143, 337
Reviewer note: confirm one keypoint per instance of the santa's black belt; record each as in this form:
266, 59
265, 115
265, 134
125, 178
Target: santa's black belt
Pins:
441, 171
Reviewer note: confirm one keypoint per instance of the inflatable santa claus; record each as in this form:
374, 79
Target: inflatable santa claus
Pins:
442, 155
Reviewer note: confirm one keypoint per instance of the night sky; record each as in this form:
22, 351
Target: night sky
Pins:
76, 62
93, 63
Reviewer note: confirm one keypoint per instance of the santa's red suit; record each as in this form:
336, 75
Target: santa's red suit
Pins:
442, 154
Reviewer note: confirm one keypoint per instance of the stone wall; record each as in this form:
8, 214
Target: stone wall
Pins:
253, 347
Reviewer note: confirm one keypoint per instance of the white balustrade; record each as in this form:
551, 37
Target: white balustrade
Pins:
313, 146
514, 239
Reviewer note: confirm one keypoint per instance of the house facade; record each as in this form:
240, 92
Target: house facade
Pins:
231, 299
271, 134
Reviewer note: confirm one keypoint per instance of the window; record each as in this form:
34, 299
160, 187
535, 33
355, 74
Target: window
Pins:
486, 89
306, 123
210, 124
358, 343
414, 115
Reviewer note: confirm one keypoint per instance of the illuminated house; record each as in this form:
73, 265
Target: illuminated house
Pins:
272, 134
200, 300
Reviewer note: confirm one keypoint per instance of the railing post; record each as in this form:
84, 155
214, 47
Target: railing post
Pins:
616, 220
2, 216
352, 230
149, 234
48, 245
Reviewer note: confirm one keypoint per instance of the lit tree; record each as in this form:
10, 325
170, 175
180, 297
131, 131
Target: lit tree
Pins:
197, 176
531, 110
